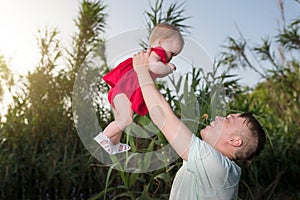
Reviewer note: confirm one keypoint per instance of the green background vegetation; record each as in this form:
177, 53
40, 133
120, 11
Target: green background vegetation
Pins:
42, 157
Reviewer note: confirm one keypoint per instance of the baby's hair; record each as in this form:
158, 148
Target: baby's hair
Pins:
164, 31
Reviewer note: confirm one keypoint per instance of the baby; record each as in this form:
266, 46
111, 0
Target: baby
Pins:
125, 95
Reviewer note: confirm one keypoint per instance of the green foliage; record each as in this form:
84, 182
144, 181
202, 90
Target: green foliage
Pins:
6, 78
90, 24
41, 156
290, 36
275, 101
173, 14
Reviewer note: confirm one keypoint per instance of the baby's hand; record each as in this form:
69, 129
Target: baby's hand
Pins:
172, 66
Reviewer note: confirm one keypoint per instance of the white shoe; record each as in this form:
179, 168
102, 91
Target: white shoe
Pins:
120, 147
105, 142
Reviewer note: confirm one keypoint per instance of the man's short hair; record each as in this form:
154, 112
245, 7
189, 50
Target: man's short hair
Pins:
254, 142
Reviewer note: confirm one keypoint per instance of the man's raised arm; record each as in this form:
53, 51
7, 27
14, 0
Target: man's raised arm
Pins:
177, 134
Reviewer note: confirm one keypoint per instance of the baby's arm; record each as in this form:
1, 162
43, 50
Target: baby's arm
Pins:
158, 67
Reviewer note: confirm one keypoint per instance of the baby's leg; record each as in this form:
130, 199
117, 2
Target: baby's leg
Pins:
123, 118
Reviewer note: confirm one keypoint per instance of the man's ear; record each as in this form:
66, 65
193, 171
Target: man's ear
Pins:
236, 141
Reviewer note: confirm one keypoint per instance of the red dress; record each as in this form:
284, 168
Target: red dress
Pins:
123, 79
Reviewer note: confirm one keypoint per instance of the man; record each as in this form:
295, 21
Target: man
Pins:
208, 170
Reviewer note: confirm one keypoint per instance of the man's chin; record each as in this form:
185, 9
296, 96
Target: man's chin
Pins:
203, 133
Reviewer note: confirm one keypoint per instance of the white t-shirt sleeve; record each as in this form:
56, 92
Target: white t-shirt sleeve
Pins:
216, 175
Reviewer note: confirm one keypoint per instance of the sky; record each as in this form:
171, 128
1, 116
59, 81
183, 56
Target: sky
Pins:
211, 21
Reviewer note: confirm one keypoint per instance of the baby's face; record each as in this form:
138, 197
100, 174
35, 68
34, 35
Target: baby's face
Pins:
172, 46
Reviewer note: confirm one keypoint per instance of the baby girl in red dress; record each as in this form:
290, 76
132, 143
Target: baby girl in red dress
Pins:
125, 94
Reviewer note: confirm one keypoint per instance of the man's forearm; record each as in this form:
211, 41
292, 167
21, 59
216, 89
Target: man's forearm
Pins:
177, 134
151, 95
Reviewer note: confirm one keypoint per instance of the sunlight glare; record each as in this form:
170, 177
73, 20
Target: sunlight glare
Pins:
20, 21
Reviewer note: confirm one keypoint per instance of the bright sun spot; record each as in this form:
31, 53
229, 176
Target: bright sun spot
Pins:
20, 21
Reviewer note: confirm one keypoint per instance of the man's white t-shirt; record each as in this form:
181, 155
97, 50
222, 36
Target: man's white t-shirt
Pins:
207, 174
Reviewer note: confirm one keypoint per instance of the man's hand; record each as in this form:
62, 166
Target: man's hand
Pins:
140, 60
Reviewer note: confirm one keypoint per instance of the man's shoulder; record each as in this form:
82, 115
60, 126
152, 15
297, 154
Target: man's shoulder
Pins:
208, 155
206, 163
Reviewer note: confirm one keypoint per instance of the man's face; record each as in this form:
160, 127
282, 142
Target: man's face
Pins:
223, 130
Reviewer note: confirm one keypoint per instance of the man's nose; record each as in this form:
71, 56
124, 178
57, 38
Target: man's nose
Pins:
219, 117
